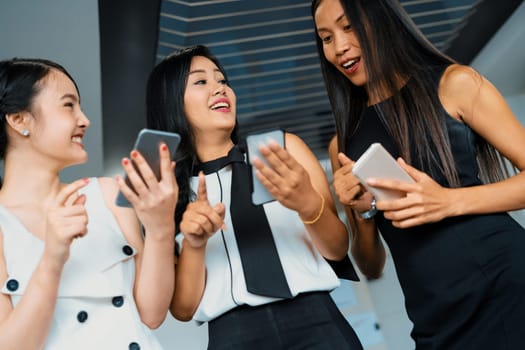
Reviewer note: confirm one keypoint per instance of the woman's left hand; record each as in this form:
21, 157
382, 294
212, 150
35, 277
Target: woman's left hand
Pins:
425, 201
286, 179
154, 200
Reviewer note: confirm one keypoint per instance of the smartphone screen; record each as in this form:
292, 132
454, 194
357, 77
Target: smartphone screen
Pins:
260, 194
147, 143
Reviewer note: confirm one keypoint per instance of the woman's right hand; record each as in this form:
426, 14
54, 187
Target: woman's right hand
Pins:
200, 220
66, 220
348, 188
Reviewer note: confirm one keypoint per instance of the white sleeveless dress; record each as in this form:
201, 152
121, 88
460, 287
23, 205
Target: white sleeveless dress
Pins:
95, 307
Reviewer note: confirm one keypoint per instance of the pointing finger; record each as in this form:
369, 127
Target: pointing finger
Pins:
202, 194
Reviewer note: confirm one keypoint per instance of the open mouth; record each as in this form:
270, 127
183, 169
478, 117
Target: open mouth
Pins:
220, 105
351, 63
77, 139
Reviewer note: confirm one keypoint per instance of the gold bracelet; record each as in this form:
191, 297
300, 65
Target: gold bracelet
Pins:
309, 222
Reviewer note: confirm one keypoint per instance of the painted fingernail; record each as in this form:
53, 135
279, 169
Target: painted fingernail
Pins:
125, 161
164, 147
134, 154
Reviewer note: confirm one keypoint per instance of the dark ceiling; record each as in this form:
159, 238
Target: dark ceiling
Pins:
268, 50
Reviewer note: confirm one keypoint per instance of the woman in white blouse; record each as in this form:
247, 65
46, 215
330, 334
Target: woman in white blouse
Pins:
188, 93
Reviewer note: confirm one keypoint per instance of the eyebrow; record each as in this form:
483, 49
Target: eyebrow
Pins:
203, 71
340, 18
71, 96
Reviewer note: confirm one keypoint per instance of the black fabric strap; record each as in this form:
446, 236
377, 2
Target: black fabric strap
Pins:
344, 268
261, 265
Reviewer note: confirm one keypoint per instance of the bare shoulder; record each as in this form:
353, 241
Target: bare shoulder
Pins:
293, 140
296, 146
458, 88
109, 189
458, 78
108, 186
126, 218
299, 150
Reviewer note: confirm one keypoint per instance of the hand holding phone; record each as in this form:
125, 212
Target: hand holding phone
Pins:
377, 162
260, 194
147, 143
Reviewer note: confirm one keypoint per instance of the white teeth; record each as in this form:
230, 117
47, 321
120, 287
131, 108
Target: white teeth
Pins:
349, 63
76, 139
220, 105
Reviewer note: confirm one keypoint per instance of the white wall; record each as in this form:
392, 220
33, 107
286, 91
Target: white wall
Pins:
67, 32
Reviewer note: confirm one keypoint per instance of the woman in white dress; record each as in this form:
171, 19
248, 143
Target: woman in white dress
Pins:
75, 270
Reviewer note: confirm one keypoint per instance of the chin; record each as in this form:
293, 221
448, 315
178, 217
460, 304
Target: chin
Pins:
79, 161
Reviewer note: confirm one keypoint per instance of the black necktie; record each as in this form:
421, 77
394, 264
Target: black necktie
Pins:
261, 265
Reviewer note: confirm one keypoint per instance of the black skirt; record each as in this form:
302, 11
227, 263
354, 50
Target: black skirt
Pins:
308, 321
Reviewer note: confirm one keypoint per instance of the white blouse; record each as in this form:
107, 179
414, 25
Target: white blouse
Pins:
304, 267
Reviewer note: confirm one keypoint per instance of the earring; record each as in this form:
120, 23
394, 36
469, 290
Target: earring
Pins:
25, 132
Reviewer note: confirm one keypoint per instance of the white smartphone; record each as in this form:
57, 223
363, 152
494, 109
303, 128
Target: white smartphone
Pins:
377, 162
147, 143
260, 194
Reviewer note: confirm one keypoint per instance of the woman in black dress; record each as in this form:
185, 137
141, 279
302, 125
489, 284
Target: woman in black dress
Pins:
458, 254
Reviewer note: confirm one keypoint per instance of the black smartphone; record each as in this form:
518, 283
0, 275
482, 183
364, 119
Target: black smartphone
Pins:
147, 143
260, 194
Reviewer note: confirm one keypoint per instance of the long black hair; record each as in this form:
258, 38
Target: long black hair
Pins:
395, 50
165, 111
20, 82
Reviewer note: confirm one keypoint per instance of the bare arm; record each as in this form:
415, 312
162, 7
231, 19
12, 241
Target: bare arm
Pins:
27, 325
154, 205
366, 247
296, 179
199, 222
471, 99
479, 104
328, 233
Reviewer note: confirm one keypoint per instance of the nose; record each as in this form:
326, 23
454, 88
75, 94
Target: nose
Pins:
83, 121
219, 89
342, 44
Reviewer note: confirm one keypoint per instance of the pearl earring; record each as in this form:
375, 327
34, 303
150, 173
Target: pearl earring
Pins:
25, 132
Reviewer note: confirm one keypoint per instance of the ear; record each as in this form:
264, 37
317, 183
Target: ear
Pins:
19, 122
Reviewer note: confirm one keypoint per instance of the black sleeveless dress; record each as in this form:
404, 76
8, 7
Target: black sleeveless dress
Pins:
463, 278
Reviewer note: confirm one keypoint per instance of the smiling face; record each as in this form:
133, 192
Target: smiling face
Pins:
340, 44
59, 125
209, 102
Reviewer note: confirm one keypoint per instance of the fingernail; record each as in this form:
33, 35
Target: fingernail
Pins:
134, 154
164, 147
125, 161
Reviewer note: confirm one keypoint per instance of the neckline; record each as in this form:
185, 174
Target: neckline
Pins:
235, 154
14, 218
